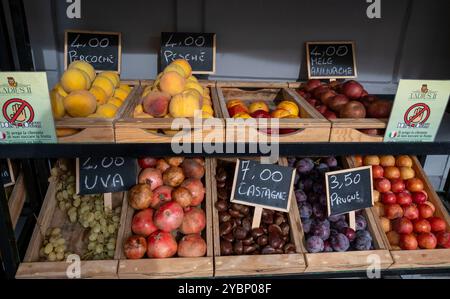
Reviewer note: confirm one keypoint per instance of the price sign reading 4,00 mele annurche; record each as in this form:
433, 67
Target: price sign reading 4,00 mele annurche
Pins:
349, 190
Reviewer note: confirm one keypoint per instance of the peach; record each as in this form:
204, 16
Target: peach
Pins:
184, 65
193, 85
387, 161
156, 103
289, 106
175, 68
172, 83
234, 102
280, 113
260, 105
84, 66
80, 103
186, 104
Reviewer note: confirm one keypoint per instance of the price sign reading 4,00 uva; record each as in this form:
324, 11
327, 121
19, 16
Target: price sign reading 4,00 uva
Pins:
331, 60
349, 190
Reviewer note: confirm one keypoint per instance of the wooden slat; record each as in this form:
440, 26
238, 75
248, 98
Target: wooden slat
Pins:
360, 123
252, 84
352, 135
16, 200
57, 270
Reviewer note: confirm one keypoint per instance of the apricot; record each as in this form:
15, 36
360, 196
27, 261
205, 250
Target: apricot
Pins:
206, 91
99, 94
75, 79
80, 103
242, 115
234, 102
115, 101
172, 83
121, 94
387, 161
106, 110
142, 115
60, 90
125, 87
208, 109
106, 84
114, 77
57, 102
191, 79
175, 68
156, 103
184, 65
196, 86
185, 104
84, 66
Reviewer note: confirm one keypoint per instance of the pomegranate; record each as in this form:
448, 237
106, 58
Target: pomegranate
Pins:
194, 221
135, 247
174, 161
192, 246
352, 89
182, 196
161, 195
152, 177
140, 196
162, 165
173, 176
338, 102
197, 190
147, 162
353, 109
161, 245
193, 169
312, 84
169, 216
379, 109
443, 239
142, 223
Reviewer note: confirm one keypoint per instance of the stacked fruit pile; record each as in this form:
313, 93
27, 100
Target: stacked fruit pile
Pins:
54, 246
322, 233
344, 100
235, 223
169, 218
175, 93
83, 93
86, 211
406, 214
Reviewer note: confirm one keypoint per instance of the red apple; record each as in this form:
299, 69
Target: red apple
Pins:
382, 185
425, 211
393, 211
414, 185
403, 226
419, 197
408, 242
404, 198
422, 226
388, 198
397, 185
377, 171
437, 224
411, 212
443, 239
427, 241
260, 114
147, 162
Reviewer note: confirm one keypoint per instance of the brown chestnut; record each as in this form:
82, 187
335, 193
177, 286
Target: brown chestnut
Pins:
221, 175
224, 216
273, 228
234, 213
222, 194
225, 228
226, 248
228, 237
256, 232
221, 184
247, 224
240, 233
262, 240
245, 210
238, 247
221, 205
278, 219
248, 241
268, 219
267, 250
289, 247
249, 249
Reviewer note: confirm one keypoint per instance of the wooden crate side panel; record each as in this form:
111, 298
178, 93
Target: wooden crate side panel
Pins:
58, 270
352, 135
90, 135
125, 134
17, 200
251, 84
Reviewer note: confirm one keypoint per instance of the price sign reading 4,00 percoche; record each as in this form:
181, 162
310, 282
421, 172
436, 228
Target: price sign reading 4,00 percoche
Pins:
349, 190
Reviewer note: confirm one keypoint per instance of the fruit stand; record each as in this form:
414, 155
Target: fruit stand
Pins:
184, 119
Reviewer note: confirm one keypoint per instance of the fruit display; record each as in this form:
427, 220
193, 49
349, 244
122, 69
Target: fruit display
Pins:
344, 100
262, 109
235, 223
323, 233
82, 92
84, 217
175, 93
406, 215
169, 218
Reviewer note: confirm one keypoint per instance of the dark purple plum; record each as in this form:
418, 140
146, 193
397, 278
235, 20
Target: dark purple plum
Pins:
321, 230
304, 165
363, 244
319, 211
312, 197
361, 223
307, 223
300, 196
323, 199
336, 218
327, 246
340, 225
349, 233
314, 244
322, 168
340, 243
333, 232
331, 161
318, 188
297, 179
305, 210
291, 161
305, 184
363, 234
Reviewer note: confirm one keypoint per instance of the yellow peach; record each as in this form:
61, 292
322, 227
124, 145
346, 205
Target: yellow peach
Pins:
259, 105
196, 86
191, 78
172, 83
115, 101
84, 66
121, 94
185, 65
74, 79
99, 94
208, 109
185, 104
80, 103
289, 106
175, 68
125, 87
57, 102
58, 87
107, 110
106, 84
114, 77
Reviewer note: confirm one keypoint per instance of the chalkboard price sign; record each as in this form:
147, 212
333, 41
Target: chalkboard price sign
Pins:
103, 50
6, 172
331, 60
105, 175
349, 190
199, 49
263, 185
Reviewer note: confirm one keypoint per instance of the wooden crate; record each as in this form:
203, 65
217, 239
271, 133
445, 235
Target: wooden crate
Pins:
52, 216
349, 129
251, 265
92, 130
311, 126
421, 258
350, 260
176, 267
147, 130
17, 200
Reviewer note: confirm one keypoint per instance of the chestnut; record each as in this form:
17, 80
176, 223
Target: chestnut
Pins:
248, 241
226, 248
268, 250
285, 229
249, 249
221, 205
224, 216
257, 232
240, 233
238, 247
228, 237
247, 224
262, 240
225, 228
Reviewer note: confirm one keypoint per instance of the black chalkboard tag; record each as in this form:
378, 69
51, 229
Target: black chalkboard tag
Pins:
103, 50
259, 185
349, 190
105, 174
199, 49
7, 174
331, 60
